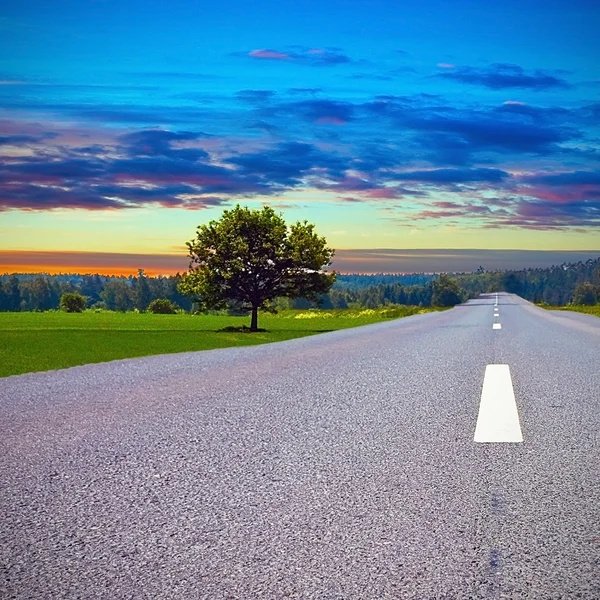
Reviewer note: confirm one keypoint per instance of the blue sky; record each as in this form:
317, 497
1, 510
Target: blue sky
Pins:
390, 125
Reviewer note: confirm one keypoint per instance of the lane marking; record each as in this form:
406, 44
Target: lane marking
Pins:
496, 326
498, 419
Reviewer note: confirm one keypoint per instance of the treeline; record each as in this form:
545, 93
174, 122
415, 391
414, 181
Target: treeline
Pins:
578, 283
27, 292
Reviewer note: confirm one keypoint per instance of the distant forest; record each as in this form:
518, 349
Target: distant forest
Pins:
556, 286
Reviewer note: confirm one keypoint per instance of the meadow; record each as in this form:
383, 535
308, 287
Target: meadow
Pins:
588, 310
40, 341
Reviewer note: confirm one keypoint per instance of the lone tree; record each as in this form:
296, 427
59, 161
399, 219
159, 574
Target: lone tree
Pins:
252, 257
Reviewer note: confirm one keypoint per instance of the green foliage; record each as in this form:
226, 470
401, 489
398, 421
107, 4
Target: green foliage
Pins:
588, 310
446, 291
585, 294
162, 306
53, 340
72, 302
251, 257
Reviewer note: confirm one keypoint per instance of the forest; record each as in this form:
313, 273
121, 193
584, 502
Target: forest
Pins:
577, 283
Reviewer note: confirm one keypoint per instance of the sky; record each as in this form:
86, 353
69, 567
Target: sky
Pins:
430, 135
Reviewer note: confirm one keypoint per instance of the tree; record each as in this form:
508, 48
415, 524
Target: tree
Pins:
162, 306
72, 302
446, 291
142, 293
585, 293
117, 295
253, 257
12, 301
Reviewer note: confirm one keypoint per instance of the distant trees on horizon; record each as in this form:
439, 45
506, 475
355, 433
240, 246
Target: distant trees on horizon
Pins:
555, 286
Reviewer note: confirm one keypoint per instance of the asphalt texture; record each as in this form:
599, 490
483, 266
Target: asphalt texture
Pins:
338, 466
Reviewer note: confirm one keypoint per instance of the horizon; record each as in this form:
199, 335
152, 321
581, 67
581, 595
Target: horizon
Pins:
372, 260
413, 137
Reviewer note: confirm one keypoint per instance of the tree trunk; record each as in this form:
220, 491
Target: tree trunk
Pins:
254, 322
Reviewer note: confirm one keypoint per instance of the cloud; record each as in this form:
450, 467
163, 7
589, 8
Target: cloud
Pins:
569, 178
6, 140
481, 131
264, 53
159, 142
286, 164
314, 57
444, 176
255, 96
321, 112
503, 76
305, 90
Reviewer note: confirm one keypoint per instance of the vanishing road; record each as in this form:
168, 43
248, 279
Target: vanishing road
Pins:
339, 466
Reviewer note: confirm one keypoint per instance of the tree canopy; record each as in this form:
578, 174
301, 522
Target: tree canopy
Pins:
446, 291
252, 257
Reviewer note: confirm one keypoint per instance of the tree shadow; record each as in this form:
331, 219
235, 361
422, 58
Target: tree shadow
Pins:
242, 329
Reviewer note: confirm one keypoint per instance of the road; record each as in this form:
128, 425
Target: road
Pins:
339, 466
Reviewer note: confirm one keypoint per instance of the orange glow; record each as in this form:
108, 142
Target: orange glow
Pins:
103, 263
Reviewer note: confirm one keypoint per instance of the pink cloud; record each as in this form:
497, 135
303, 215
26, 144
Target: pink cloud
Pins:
559, 195
269, 54
383, 193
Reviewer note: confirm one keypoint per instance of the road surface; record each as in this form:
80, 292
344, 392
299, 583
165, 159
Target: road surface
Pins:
339, 466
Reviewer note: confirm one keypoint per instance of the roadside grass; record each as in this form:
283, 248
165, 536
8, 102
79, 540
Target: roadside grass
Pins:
55, 340
588, 310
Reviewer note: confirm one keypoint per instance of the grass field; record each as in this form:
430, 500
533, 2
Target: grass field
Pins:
589, 310
55, 340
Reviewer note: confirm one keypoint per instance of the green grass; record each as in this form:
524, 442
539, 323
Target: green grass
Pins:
589, 310
55, 340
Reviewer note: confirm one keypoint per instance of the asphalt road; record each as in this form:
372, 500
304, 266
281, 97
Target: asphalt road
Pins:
339, 466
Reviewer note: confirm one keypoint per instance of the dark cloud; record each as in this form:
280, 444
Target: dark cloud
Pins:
481, 131
52, 171
565, 179
287, 163
537, 114
321, 112
505, 76
12, 140
443, 176
159, 142
30, 197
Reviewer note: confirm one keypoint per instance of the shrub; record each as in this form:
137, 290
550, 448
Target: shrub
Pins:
162, 306
72, 302
585, 294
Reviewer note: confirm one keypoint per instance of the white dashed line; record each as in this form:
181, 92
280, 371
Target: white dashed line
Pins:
496, 326
498, 419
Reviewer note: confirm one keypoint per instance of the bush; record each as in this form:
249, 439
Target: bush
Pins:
72, 302
162, 306
585, 294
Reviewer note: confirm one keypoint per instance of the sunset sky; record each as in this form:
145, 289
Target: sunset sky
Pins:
411, 133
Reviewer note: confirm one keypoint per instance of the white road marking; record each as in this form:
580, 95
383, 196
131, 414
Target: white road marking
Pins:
496, 326
498, 419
